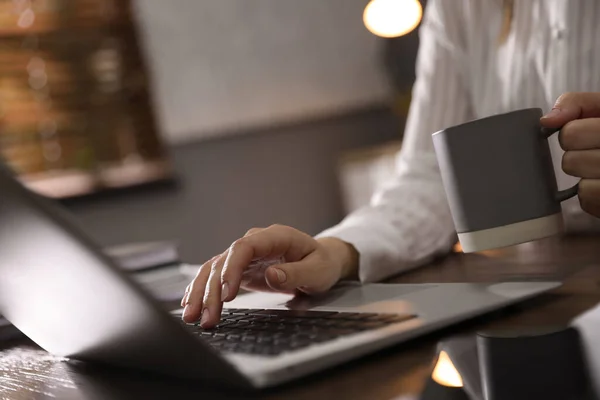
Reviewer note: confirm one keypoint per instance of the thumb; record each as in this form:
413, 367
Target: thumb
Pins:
571, 106
308, 273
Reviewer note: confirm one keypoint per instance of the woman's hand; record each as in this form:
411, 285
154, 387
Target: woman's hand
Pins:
277, 258
579, 116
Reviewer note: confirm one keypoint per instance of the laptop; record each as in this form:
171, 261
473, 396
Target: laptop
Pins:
63, 292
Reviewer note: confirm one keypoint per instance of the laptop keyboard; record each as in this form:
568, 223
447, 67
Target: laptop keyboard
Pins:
272, 332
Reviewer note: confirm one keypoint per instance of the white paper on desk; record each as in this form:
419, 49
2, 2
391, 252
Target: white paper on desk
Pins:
588, 325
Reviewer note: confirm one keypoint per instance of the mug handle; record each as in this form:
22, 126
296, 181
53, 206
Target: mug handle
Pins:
565, 194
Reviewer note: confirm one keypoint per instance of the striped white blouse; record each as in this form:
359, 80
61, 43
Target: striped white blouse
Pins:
463, 72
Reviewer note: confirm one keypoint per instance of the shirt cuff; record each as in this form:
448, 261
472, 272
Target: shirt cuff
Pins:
376, 260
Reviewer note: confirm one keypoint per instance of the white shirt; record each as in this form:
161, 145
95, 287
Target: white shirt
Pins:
464, 73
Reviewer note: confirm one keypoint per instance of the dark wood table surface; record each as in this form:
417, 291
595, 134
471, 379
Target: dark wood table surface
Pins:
27, 372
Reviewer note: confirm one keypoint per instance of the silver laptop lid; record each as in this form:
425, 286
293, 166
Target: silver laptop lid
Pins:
58, 288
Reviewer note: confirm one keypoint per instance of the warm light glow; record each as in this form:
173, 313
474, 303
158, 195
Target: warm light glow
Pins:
445, 373
392, 18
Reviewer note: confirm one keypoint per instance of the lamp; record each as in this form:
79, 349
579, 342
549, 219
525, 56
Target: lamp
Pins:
528, 364
543, 363
392, 18
395, 22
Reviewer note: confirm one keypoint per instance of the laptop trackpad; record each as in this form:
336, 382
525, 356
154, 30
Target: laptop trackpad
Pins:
344, 296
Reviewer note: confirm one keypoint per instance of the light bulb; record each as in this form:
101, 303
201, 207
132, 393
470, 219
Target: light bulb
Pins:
445, 372
392, 18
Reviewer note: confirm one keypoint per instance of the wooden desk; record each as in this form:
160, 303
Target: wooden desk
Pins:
27, 372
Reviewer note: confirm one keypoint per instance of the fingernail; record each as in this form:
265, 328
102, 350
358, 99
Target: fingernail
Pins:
204, 317
187, 311
224, 291
281, 277
185, 300
553, 113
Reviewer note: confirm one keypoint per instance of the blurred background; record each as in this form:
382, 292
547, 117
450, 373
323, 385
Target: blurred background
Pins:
195, 120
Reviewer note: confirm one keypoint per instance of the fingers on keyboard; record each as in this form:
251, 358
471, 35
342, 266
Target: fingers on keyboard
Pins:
272, 332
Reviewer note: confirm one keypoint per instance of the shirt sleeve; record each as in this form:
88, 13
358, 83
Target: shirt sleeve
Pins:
408, 221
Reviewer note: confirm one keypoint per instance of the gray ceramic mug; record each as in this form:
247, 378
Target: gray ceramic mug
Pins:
499, 179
